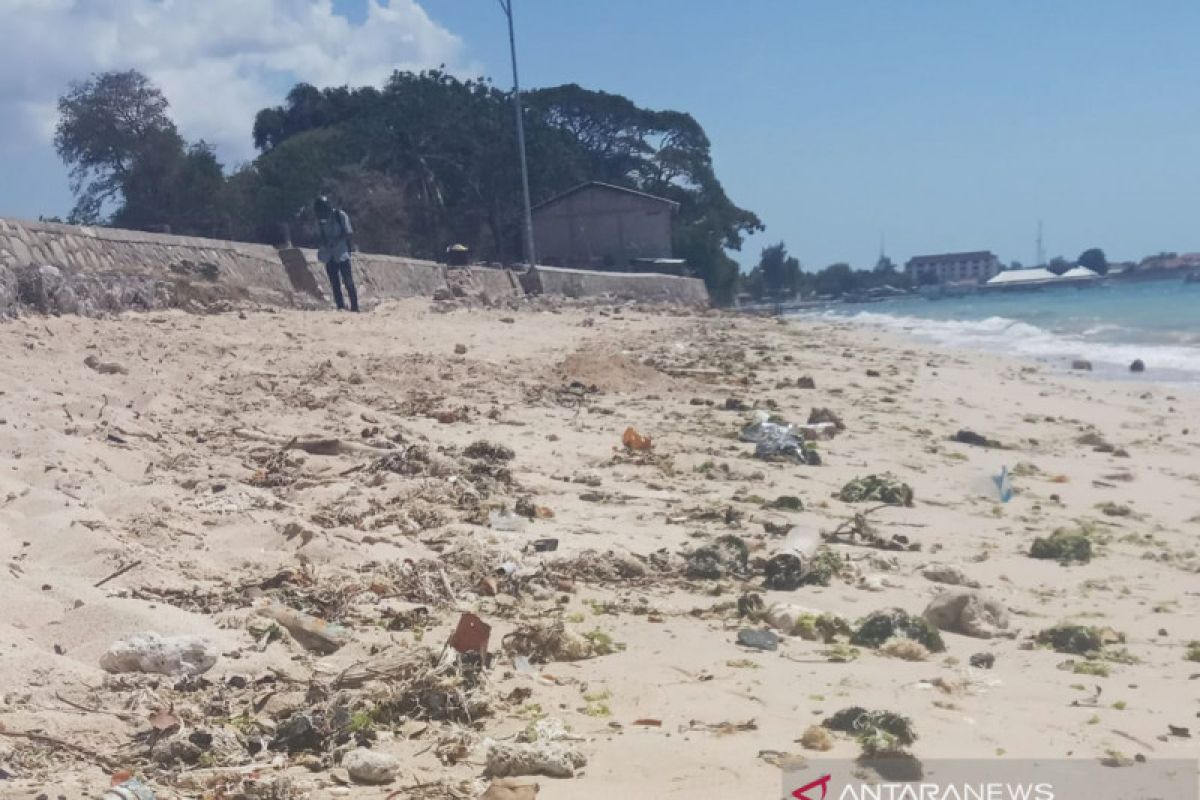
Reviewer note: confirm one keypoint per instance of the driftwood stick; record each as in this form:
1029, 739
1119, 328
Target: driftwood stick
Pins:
117, 574
64, 745
312, 445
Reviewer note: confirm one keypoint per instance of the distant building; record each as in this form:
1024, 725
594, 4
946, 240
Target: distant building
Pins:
974, 267
1170, 262
601, 226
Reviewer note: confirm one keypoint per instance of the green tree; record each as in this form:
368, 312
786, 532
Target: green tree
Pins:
1095, 260
110, 127
836, 279
1058, 265
780, 272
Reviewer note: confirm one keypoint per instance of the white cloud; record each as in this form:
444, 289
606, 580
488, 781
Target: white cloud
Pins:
217, 61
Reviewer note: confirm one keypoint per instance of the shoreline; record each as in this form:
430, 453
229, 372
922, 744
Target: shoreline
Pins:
103, 468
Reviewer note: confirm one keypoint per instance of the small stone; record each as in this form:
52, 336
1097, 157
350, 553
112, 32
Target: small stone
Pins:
460, 349
758, 640
982, 660
370, 766
948, 574
1081, 364
1137, 366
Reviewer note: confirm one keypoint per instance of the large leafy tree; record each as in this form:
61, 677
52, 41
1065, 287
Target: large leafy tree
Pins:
780, 272
1095, 260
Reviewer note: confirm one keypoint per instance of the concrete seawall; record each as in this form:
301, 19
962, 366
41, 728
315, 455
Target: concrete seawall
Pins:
57, 268
645, 287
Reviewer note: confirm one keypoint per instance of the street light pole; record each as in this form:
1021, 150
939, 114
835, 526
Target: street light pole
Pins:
530, 254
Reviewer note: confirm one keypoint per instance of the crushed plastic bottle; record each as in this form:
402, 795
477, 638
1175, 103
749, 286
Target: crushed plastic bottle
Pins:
505, 520
996, 487
773, 440
132, 789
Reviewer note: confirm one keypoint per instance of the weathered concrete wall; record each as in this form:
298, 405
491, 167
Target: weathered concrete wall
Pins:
598, 226
70, 269
647, 287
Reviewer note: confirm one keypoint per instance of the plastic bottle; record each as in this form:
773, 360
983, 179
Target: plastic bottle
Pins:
132, 789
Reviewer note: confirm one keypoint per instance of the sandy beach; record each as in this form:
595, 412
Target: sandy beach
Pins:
325, 463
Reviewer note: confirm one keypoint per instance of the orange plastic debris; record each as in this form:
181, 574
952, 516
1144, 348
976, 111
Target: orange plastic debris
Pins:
635, 441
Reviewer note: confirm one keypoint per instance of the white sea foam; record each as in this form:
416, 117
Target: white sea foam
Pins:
1021, 339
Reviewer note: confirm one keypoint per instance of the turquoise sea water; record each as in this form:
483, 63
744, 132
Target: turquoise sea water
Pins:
1110, 325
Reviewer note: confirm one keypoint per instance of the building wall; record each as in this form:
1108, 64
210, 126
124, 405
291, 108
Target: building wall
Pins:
951, 270
599, 228
642, 287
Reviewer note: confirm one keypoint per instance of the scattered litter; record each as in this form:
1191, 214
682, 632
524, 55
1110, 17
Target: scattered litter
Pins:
544, 749
489, 451
471, 635
969, 612
648, 722
720, 728
511, 788
164, 655
877, 732
816, 737
982, 660
948, 574
544, 545
726, 556
505, 520
774, 441
313, 633
370, 766
543, 642
1078, 639
132, 789
758, 639
976, 439
825, 416
883, 488
635, 441
880, 626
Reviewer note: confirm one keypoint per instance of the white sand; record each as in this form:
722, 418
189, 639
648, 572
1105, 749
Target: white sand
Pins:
76, 505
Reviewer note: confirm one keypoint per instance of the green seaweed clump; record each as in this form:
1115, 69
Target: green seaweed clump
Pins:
879, 626
883, 488
1064, 546
1081, 640
879, 733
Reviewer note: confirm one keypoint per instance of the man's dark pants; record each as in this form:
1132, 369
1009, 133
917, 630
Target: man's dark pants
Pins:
339, 273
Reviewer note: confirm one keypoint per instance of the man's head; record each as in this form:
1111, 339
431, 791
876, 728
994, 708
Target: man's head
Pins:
322, 207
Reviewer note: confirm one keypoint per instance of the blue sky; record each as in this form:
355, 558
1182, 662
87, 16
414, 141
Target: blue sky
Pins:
939, 125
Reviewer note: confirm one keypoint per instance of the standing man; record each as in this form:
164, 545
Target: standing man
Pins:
337, 243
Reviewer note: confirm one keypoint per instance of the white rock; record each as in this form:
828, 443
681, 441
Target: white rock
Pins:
370, 766
165, 655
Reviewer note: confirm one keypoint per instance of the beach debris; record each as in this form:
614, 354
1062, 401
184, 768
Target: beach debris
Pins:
1137, 366
105, 367
948, 574
807, 623
805, 382
880, 626
460, 349
725, 728
132, 789
788, 571
546, 641
969, 612
884, 488
635, 441
825, 416
1192, 653
1081, 364
1064, 546
313, 633
816, 738
1081, 640
370, 766
736, 404
877, 732
786, 502
543, 748
1179, 730
511, 788
163, 655
503, 519
859, 531
1111, 509
982, 660
725, 556
774, 441
488, 451
905, 649
976, 439
471, 635
758, 639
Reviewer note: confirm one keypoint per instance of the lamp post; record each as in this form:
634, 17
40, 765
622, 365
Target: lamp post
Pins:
530, 254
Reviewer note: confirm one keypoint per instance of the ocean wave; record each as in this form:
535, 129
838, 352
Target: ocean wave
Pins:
1021, 339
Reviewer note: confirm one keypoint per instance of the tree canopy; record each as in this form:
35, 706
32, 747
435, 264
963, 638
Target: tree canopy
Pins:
427, 161
1095, 260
